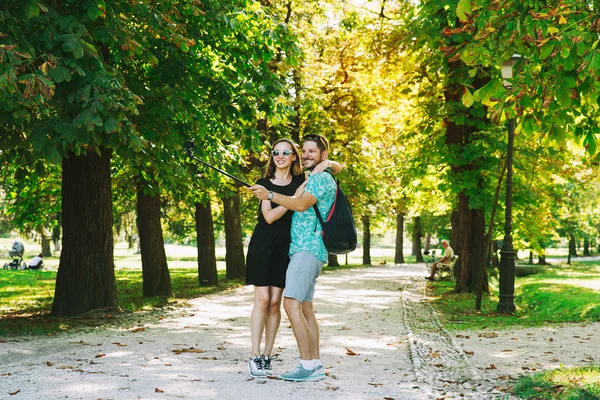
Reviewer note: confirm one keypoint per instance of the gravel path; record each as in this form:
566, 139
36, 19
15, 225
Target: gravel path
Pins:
379, 340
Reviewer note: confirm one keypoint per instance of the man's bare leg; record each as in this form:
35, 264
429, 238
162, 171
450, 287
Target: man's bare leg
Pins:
300, 326
313, 328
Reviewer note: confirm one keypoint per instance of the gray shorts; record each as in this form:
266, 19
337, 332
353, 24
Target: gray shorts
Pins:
301, 278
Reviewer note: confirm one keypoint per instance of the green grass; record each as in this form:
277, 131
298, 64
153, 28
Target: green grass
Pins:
26, 301
558, 294
562, 384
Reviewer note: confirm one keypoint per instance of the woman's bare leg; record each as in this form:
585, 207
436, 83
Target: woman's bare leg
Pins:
257, 317
273, 318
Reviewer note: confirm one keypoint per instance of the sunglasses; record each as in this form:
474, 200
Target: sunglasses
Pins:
316, 138
285, 153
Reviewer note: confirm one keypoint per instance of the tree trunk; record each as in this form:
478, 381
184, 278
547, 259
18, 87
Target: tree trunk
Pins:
366, 221
234, 247
86, 275
542, 260
46, 250
56, 233
416, 240
495, 259
155, 271
332, 260
205, 238
530, 257
586, 247
399, 256
472, 233
572, 246
427, 242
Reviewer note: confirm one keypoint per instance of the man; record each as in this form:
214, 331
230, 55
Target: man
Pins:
307, 256
446, 259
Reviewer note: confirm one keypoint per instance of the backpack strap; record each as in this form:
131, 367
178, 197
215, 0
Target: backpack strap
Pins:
317, 212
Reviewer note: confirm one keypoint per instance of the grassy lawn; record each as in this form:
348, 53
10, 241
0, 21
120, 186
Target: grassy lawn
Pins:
26, 296
561, 384
558, 294
26, 301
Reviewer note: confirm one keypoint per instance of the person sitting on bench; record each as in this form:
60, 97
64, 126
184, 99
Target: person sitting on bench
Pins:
445, 260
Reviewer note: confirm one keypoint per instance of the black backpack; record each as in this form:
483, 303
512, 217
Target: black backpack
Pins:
339, 230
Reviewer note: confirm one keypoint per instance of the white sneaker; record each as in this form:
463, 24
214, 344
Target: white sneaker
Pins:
266, 363
255, 366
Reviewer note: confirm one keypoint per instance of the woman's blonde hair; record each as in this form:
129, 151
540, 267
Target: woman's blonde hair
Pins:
295, 168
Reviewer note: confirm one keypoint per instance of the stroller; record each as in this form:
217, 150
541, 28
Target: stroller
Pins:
16, 252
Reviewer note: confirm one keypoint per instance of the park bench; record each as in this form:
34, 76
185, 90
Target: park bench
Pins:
447, 269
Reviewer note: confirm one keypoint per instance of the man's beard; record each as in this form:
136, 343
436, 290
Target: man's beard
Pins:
315, 163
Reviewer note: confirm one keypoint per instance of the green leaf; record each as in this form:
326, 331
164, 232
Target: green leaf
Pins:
462, 9
53, 156
78, 50
547, 49
110, 126
590, 143
467, 98
66, 74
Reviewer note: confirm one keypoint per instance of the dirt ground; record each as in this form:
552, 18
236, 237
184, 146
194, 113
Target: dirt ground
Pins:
379, 340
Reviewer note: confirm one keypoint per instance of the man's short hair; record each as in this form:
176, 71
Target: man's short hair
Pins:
320, 140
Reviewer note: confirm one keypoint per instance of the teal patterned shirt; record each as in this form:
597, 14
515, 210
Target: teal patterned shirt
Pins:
306, 229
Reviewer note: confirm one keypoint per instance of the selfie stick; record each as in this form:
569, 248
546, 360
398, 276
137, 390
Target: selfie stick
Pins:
189, 149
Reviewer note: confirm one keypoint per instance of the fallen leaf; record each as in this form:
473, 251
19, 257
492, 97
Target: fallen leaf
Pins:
515, 338
168, 365
375, 384
438, 365
99, 355
15, 392
350, 352
190, 350
469, 353
550, 340
120, 344
108, 316
492, 366
434, 354
525, 368
221, 348
214, 358
157, 390
48, 363
489, 335
332, 387
507, 351
136, 330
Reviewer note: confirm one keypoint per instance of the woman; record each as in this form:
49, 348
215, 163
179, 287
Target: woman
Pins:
267, 259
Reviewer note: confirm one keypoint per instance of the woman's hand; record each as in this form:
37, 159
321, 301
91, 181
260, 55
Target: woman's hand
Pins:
300, 189
259, 191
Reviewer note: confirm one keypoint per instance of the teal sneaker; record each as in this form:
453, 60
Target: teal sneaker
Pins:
298, 374
318, 374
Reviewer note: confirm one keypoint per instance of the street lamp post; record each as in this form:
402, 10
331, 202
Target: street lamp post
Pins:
506, 305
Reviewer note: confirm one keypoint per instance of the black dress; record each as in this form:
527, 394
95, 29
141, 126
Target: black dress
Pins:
267, 259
